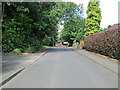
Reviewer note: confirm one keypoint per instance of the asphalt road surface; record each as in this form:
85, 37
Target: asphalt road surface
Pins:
14, 63
62, 67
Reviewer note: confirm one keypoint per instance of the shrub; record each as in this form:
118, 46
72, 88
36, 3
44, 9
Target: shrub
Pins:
106, 42
17, 51
30, 50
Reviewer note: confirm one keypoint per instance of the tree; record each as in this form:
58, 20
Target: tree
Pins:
16, 27
73, 30
73, 22
109, 26
92, 22
26, 25
103, 29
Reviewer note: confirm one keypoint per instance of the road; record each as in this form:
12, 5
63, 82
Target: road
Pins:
62, 67
13, 63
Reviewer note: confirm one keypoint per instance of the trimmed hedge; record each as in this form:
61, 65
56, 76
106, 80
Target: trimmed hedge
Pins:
106, 42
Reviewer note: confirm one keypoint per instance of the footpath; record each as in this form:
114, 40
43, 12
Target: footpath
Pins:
13, 64
109, 63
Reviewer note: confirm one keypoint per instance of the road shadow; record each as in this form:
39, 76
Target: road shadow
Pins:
62, 49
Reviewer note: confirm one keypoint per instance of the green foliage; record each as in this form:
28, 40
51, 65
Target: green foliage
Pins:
92, 22
32, 24
65, 10
48, 41
80, 36
104, 29
72, 28
74, 23
109, 26
30, 50
15, 32
17, 51
26, 25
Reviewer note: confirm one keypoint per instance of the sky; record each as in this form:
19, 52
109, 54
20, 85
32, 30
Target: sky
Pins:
109, 10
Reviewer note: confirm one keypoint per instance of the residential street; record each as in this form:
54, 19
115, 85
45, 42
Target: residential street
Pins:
63, 67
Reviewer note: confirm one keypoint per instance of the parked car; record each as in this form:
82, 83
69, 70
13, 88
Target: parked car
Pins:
65, 43
60, 44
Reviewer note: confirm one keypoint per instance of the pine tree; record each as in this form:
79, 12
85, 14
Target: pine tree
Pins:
92, 22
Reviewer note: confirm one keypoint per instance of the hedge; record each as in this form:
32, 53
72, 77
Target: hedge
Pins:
105, 42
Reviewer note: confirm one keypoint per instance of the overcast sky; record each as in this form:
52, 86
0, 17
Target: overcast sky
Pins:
109, 10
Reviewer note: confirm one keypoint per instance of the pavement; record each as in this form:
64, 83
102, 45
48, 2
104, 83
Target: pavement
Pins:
63, 67
109, 63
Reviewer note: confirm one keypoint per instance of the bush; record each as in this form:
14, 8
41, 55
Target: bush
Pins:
29, 50
17, 51
106, 42
34, 42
